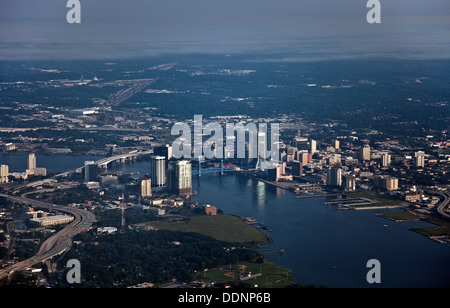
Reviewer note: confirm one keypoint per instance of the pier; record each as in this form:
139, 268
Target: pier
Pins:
316, 196
256, 224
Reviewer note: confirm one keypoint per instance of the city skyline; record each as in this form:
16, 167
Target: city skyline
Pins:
234, 145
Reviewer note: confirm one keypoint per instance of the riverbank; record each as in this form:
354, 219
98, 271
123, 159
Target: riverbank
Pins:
223, 227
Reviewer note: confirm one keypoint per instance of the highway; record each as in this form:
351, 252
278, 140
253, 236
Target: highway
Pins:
57, 243
445, 203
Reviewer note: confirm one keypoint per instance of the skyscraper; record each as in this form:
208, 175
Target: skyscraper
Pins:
31, 162
90, 171
420, 159
336, 144
4, 173
313, 146
297, 168
364, 153
334, 176
146, 188
180, 178
385, 160
165, 151
350, 183
158, 171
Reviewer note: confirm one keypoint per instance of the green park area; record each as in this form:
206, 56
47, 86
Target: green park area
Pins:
265, 274
401, 216
441, 227
377, 201
226, 228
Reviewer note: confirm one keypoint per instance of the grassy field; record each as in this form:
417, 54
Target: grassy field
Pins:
272, 275
227, 228
401, 216
378, 201
442, 227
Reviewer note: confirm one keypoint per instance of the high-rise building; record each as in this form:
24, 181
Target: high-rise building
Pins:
313, 146
31, 163
336, 144
334, 176
350, 182
180, 178
385, 182
158, 171
364, 153
385, 160
276, 173
90, 171
297, 168
420, 159
302, 156
261, 163
165, 151
390, 184
146, 188
4, 173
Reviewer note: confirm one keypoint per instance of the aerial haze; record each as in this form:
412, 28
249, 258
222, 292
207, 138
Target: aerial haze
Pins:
127, 29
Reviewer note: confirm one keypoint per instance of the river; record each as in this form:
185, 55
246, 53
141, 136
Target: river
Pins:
322, 245
326, 246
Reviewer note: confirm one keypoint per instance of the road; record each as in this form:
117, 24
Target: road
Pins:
56, 244
445, 203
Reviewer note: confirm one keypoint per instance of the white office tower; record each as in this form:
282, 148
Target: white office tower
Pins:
4, 173
313, 146
158, 171
31, 162
420, 159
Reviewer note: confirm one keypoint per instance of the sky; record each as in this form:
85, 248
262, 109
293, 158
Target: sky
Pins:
303, 29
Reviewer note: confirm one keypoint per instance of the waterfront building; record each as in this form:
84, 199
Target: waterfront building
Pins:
90, 171
31, 162
180, 178
158, 171
350, 182
297, 168
334, 176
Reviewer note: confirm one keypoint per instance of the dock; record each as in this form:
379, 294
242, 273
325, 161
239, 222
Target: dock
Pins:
316, 196
256, 224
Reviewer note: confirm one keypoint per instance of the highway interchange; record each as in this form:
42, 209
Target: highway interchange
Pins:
57, 243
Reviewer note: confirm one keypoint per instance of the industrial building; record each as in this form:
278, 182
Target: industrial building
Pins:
51, 220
